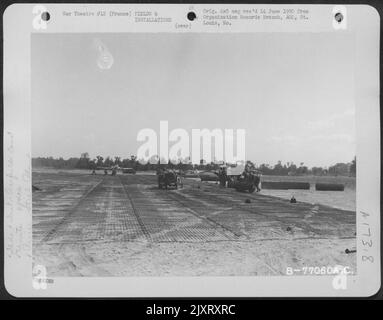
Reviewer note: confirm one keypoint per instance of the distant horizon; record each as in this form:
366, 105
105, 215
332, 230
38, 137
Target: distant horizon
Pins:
255, 162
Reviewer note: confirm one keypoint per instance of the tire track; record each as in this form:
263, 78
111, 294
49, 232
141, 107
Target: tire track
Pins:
136, 214
50, 235
210, 221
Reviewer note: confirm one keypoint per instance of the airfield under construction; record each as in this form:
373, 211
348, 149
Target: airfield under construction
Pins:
199, 222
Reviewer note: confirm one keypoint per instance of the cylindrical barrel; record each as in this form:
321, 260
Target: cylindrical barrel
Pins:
285, 185
329, 187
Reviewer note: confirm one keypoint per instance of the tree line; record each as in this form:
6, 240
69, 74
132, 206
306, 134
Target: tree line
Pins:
282, 169
289, 168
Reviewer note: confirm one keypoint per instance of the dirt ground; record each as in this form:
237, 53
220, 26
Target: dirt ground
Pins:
86, 225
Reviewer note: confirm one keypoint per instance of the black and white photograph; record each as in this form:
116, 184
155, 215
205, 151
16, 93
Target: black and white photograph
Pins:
99, 209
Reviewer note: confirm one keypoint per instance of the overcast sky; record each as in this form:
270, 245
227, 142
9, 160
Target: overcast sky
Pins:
292, 93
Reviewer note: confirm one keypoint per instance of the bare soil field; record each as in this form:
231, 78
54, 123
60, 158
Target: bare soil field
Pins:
96, 225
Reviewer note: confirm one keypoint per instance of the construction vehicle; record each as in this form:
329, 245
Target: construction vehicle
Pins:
168, 178
208, 176
248, 181
128, 170
240, 178
114, 169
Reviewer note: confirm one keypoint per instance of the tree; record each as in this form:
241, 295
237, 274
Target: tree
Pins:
117, 161
83, 162
317, 171
92, 164
341, 169
302, 170
108, 162
292, 169
278, 168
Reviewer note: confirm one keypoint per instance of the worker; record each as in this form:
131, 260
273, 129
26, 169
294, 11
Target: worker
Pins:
222, 176
257, 180
293, 200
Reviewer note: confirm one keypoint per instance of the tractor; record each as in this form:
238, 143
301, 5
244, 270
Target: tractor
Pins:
240, 178
248, 181
169, 178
